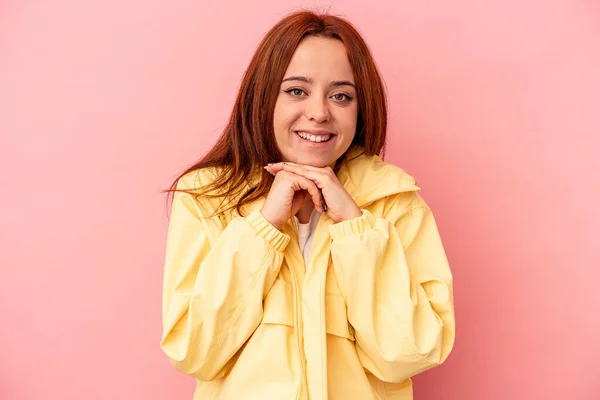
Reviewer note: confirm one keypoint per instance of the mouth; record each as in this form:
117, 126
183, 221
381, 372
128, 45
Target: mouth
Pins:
315, 137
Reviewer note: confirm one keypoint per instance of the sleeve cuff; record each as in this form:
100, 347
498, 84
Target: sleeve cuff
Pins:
354, 226
272, 235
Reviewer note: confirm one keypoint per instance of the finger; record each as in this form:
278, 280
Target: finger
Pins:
298, 169
309, 175
271, 171
319, 178
274, 166
295, 168
281, 165
302, 183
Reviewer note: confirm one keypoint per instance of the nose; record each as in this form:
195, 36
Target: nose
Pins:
317, 109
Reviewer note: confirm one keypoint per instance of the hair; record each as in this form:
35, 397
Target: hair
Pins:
248, 143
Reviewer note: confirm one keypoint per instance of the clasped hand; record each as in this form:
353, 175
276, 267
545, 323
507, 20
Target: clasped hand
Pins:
293, 182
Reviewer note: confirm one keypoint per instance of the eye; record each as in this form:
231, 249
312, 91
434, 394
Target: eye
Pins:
341, 97
295, 92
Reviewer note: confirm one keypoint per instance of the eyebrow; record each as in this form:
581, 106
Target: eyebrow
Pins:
310, 81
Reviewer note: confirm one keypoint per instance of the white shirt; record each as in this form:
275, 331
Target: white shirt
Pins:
306, 233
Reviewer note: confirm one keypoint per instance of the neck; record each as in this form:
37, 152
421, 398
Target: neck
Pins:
305, 211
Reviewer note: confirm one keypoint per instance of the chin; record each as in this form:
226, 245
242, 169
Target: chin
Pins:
312, 160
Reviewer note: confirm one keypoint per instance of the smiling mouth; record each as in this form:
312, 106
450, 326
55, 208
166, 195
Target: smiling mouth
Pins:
314, 138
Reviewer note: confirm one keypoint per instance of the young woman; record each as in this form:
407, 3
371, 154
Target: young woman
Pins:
299, 264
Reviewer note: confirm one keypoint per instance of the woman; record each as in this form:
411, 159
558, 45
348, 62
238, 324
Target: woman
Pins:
300, 265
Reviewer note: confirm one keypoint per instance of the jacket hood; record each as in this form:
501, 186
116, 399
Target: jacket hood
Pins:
369, 178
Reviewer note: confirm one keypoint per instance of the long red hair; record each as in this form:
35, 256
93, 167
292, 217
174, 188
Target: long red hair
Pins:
247, 143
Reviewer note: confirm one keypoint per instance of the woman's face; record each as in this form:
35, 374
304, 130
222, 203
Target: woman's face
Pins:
316, 110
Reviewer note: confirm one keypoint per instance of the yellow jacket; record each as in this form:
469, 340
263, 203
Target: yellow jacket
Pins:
372, 308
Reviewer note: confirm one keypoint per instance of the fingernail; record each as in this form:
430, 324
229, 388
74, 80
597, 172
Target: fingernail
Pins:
324, 206
270, 164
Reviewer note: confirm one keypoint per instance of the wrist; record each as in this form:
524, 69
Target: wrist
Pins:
353, 214
271, 220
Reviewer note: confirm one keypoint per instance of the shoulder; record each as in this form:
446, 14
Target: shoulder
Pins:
197, 180
195, 188
200, 181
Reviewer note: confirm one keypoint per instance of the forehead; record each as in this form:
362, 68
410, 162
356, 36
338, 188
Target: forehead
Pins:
320, 59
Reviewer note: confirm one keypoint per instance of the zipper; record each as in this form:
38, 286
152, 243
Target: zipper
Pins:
298, 311
314, 248
323, 327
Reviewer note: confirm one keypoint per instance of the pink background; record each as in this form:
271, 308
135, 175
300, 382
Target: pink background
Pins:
494, 109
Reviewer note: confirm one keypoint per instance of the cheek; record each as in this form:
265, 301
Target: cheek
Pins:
348, 122
284, 115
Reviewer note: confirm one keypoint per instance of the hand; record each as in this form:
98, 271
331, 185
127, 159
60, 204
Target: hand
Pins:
339, 205
286, 196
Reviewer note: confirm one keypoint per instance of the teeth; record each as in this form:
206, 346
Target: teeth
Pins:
313, 138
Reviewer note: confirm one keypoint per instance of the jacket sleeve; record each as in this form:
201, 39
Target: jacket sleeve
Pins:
214, 283
395, 278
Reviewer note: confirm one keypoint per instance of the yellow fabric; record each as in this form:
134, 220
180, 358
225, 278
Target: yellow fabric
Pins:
372, 308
